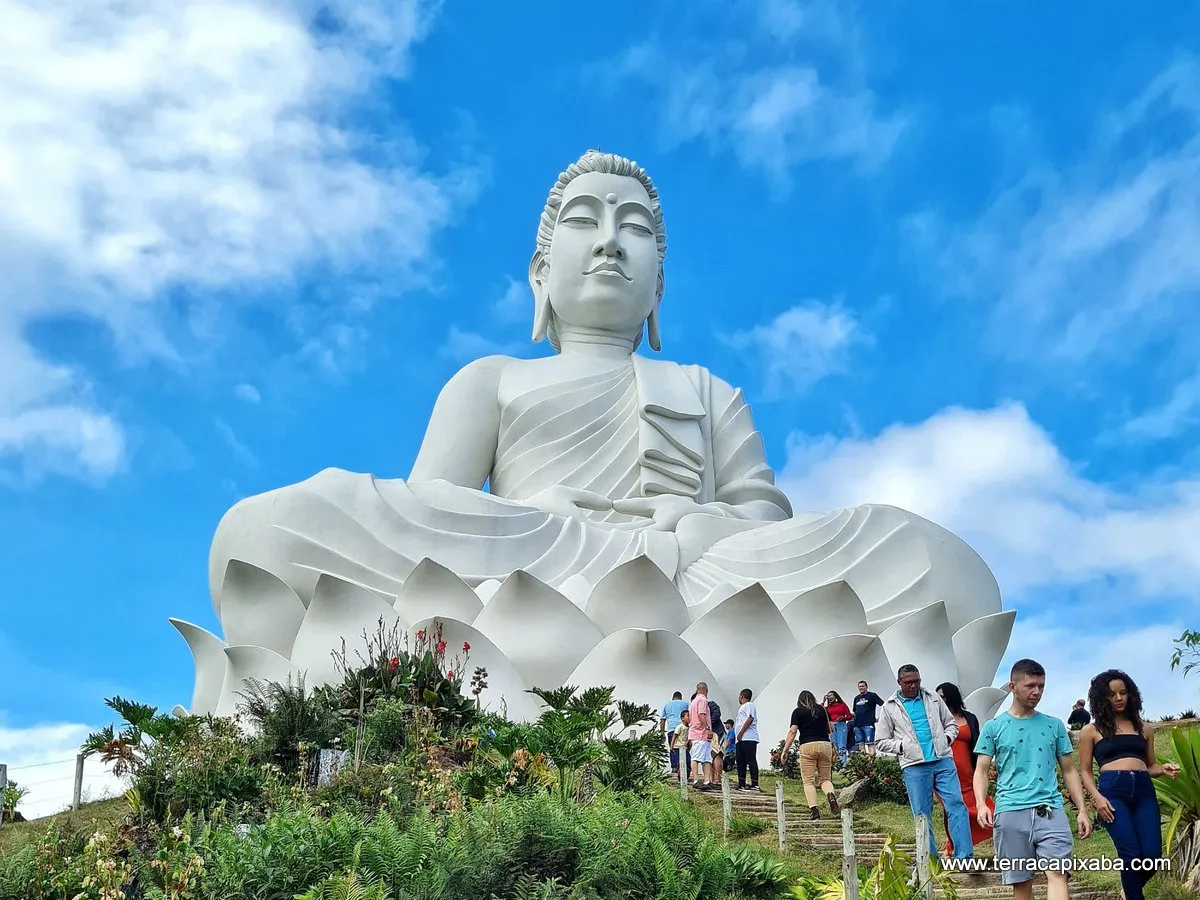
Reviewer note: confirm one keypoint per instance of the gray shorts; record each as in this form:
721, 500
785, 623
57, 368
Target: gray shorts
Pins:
1024, 837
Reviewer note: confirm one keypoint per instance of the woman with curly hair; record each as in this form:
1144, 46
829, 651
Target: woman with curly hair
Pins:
1122, 746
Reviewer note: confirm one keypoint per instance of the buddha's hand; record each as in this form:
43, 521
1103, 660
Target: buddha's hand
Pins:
569, 502
665, 509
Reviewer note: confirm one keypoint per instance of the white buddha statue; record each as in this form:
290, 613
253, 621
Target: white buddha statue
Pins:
600, 455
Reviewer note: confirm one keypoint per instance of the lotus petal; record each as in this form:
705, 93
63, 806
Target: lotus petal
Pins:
244, 663
915, 596
922, 639
433, 590
208, 651
339, 610
504, 681
979, 647
714, 598
576, 589
824, 612
748, 619
486, 589
541, 632
837, 663
647, 666
636, 594
985, 702
259, 610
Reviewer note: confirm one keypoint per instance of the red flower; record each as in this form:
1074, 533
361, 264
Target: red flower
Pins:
395, 662
420, 635
466, 646
449, 674
441, 647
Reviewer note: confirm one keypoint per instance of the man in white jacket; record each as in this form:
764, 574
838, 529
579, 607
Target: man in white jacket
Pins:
916, 726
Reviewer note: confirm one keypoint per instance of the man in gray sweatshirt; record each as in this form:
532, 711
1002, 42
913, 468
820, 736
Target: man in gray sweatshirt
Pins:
916, 726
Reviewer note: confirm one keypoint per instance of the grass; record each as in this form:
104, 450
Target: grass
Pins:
102, 814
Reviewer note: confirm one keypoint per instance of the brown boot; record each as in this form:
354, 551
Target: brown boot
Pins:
833, 804
814, 812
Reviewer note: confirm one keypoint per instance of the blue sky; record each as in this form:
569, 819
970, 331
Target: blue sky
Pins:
948, 250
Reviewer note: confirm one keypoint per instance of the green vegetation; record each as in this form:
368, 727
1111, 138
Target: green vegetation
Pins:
441, 798
438, 798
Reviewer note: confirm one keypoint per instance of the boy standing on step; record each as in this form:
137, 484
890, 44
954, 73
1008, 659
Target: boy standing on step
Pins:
746, 735
1032, 828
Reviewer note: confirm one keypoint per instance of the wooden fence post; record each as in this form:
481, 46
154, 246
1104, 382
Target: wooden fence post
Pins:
780, 814
726, 801
924, 879
849, 855
683, 772
77, 796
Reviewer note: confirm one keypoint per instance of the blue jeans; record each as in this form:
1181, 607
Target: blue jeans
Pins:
920, 779
1135, 829
864, 734
839, 739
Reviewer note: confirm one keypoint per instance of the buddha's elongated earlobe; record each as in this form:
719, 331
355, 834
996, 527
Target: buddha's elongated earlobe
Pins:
538, 269
653, 335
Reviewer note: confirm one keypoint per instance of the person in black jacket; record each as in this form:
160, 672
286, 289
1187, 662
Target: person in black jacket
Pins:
965, 757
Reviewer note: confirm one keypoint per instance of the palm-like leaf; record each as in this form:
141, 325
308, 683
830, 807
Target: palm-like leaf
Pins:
1180, 796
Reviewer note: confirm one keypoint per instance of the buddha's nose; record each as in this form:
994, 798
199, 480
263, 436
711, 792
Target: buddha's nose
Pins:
609, 245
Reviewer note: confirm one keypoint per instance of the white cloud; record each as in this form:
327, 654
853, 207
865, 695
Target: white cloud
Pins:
998, 480
792, 91
1072, 660
802, 345
467, 346
516, 303
1178, 414
243, 453
1081, 262
198, 144
42, 759
248, 393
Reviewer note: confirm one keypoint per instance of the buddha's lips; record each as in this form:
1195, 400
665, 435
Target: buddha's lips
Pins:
609, 267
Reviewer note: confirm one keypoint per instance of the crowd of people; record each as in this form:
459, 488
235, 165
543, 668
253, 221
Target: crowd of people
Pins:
945, 752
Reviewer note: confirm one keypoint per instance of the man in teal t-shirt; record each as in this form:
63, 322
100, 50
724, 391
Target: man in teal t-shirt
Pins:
1029, 747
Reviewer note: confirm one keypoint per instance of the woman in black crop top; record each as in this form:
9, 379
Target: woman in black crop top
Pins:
1122, 746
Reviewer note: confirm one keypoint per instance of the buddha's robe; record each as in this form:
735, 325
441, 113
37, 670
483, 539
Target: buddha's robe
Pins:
639, 429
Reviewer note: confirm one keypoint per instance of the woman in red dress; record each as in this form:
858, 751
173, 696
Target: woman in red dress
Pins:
963, 749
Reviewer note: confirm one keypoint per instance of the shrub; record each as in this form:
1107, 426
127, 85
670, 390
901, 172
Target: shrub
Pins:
206, 763
617, 847
372, 790
882, 775
790, 767
423, 675
287, 718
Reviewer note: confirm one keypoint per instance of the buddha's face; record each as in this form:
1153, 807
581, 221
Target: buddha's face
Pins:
603, 262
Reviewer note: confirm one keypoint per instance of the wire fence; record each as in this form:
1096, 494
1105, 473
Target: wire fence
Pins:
46, 792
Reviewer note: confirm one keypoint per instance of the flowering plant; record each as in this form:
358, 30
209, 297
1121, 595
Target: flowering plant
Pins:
790, 767
420, 674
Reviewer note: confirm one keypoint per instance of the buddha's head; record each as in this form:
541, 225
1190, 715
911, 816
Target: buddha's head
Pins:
600, 248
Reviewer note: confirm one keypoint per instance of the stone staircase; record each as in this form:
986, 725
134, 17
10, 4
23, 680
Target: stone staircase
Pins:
824, 835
